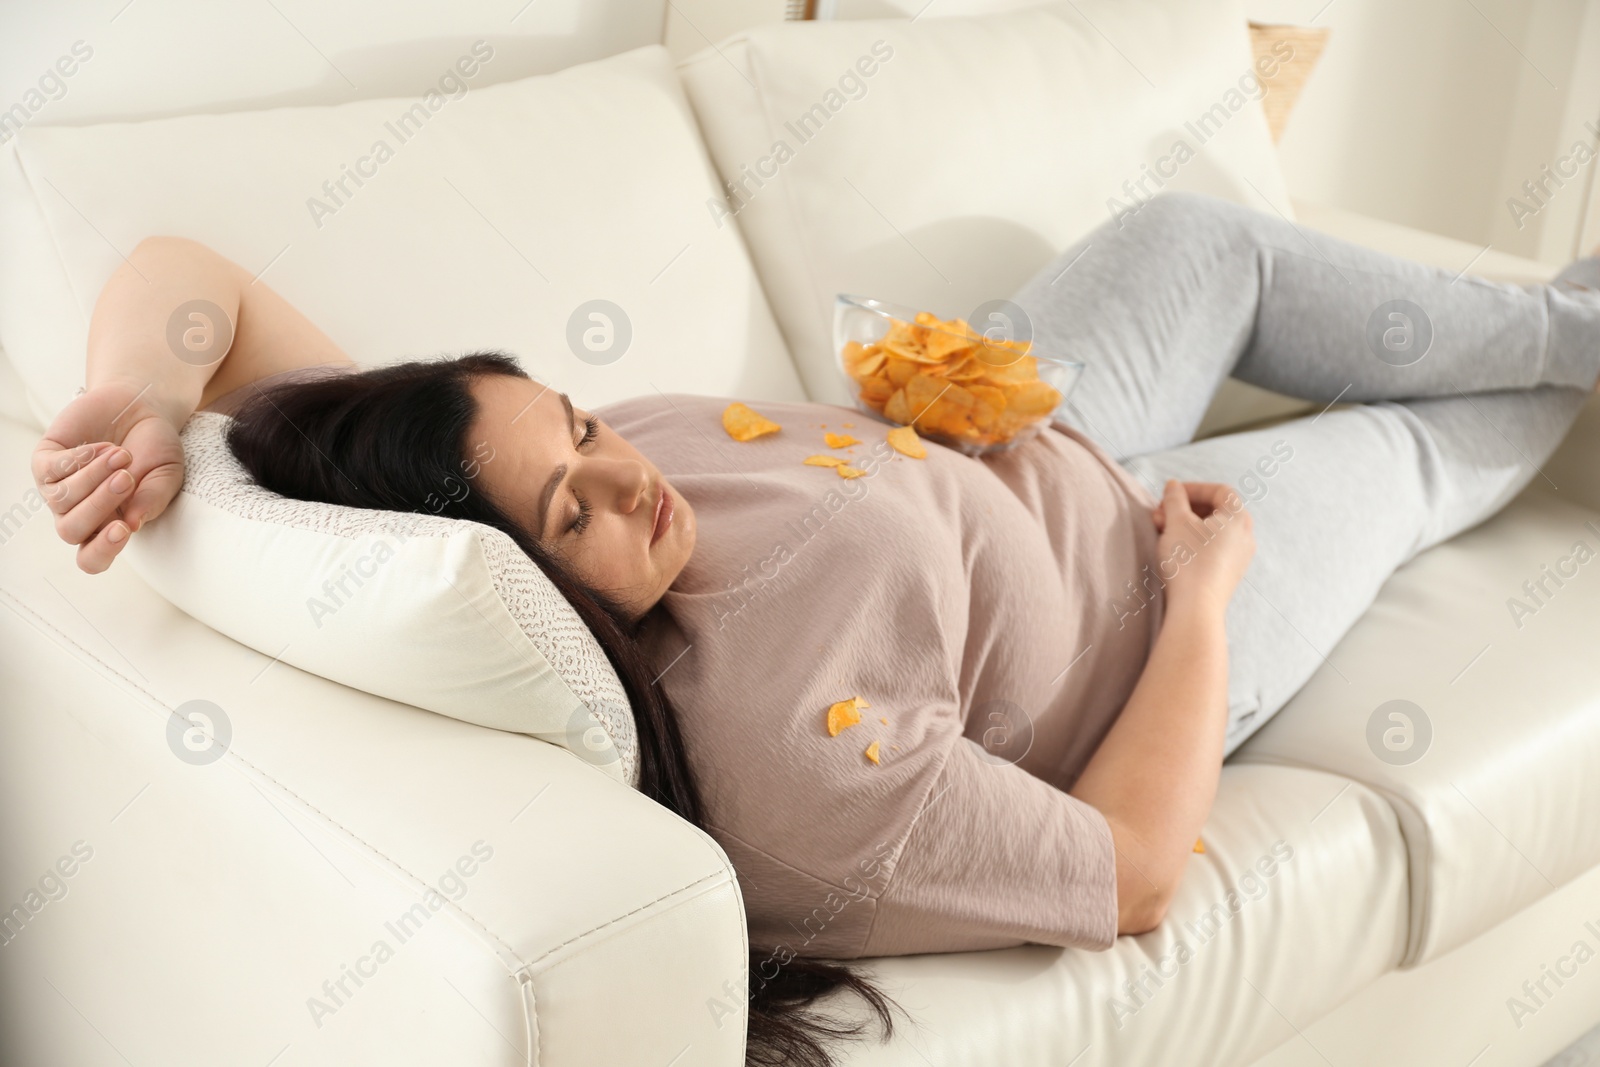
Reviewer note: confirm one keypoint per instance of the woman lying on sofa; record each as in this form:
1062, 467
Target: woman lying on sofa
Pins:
1054, 646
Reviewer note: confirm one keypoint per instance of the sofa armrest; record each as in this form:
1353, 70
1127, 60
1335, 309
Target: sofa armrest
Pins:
356, 879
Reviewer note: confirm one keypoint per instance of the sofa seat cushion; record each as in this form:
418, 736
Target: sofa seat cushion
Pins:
939, 163
499, 216
1298, 902
1469, 696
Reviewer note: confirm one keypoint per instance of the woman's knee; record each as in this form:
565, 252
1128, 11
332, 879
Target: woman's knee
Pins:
1186, 210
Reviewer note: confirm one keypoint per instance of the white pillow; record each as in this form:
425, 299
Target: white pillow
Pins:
444, 614
503, 211
952, 158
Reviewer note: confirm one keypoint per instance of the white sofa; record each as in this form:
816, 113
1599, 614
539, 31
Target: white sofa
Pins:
1346, 911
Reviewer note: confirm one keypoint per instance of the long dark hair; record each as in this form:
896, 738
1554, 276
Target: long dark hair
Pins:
395, 439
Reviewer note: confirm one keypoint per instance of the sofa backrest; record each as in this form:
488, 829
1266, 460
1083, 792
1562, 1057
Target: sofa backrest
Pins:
939, 163
560, 217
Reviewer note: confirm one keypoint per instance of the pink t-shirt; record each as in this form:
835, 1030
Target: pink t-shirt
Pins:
989, 612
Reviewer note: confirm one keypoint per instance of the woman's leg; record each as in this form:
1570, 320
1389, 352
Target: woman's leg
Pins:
1343, 498
1191, 289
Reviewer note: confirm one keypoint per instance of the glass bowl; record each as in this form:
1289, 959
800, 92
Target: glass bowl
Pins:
970, 392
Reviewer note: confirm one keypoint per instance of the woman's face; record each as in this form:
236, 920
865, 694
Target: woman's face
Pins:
581, 491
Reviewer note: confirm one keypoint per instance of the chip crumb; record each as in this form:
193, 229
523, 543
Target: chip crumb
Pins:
844, 714
904, 440
847, 471
840, 440
1199, 845
743, 424
823, 461
872, 753
883, 720
848, 425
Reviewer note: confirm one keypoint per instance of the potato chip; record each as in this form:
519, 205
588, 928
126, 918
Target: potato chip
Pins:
823, 461
872, 753
846, 471
899, 370
1033, 398
870, 364
1199, 845
744, 424
922, 391
876, 391
844, 714
839, 440
950, 382
942, 344
897, 408
904, 440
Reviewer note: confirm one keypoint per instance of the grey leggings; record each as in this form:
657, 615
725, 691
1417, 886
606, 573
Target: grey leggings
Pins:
1465, 387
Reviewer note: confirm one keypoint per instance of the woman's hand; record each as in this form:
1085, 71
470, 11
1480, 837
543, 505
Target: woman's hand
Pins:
1207, 540
108, 464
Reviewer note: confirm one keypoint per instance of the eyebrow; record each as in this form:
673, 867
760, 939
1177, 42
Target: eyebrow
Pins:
556, 475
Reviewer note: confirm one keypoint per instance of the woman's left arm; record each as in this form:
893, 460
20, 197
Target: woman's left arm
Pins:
176, 326
1154, 776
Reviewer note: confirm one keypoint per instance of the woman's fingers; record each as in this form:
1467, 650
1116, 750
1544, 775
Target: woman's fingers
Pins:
72, 490
1175, 500
95, 510
154, 492
1211, 496
53, 463
96, 554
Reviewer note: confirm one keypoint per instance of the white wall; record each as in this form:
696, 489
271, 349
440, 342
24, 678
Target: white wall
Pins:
159, 57
1432, 113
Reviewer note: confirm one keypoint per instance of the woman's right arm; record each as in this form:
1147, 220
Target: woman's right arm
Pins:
1154, 776
175, 327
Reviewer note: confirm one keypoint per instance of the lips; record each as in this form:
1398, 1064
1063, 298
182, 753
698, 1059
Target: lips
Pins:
663, 515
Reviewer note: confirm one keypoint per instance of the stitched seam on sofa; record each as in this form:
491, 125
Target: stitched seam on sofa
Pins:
527, 968
531, 1033
231, 753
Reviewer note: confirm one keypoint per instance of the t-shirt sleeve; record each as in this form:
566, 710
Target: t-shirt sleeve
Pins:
998, 858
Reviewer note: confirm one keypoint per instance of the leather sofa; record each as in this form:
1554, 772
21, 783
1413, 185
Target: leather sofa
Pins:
361, 881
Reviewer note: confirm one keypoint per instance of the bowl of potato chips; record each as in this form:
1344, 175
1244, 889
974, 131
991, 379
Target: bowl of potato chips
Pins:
975, 392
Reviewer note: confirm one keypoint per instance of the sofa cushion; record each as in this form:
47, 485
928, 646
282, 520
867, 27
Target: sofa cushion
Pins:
1298, 902
491, 219
1469, 696
441, 613
941, 162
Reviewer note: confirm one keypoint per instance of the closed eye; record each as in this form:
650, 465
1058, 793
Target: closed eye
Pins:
591, 430
580, 522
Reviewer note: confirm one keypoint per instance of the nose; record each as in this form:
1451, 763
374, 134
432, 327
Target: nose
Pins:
623, 484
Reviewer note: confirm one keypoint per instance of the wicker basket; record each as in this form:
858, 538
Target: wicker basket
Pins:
1283, 88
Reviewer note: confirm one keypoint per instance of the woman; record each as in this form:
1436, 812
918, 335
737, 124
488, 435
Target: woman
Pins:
1049, 648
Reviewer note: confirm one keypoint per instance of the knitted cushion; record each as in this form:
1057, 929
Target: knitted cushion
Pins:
444, 614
